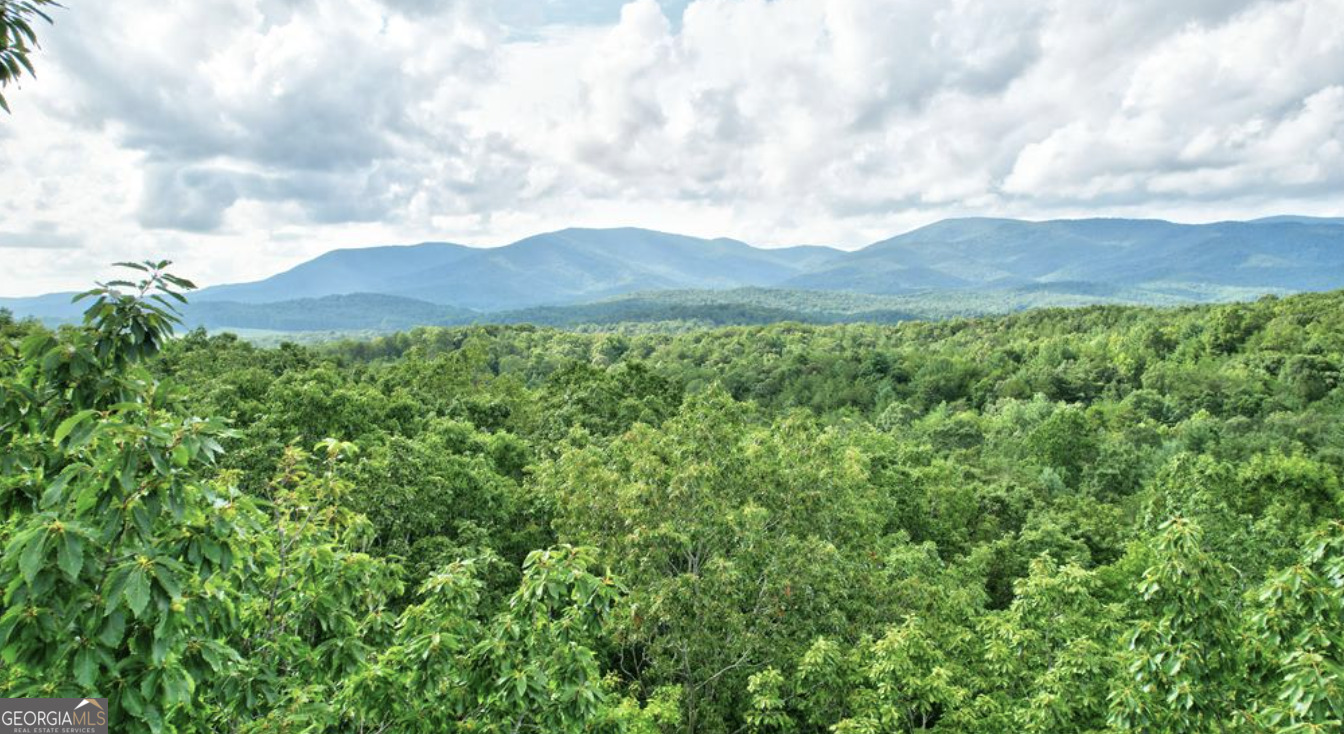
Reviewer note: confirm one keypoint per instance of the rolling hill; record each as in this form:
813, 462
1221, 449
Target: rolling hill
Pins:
559, 267
361, 311
342, 272
584, 264
51, 307
1291, 254
602, 276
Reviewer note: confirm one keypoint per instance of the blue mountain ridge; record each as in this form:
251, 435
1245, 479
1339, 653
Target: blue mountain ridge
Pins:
1088, 260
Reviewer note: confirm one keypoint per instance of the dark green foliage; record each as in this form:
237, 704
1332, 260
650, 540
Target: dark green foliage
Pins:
117, 551
352, 312
1070, 520
18, 39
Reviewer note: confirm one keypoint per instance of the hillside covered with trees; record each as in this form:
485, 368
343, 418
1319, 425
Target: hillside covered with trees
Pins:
1100, 519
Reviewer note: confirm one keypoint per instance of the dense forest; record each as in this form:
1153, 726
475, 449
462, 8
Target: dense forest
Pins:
1098, 519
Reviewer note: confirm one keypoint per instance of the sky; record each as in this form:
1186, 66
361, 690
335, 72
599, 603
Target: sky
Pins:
241, 137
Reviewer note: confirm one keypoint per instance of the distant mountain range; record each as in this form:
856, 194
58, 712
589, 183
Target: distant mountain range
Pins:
956, 266
1278, 254
560, 267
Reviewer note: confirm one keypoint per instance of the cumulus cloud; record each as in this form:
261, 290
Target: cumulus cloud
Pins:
244, 135
176, 197
1247, 105
41, 236
221, 96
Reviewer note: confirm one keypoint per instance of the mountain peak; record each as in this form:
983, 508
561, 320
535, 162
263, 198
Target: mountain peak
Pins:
579, 264
1155, 259
1000, 253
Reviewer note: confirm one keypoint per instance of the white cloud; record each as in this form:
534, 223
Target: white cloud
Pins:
241, 136
1248, 105
41, 236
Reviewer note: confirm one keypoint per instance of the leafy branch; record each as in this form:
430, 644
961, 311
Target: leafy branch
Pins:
18, 39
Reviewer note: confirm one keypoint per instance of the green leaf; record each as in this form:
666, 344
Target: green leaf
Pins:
168, 581
70, 555
128, 471
158, 650
86, 497
156, 458
53, 494
31, 560
137, 591
56, 489
86, 667
133, 702
178, 686
114, 627
114, 588
69, 424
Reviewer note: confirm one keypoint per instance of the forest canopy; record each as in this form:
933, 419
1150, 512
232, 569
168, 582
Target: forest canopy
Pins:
1099, 519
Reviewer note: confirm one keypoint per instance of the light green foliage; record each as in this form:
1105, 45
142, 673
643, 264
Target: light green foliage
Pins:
133, 570
1182, 658
119, 551
313, 604
530, 668
1064, 442
1297, 623
761, 535
1088, 520
1048, 652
